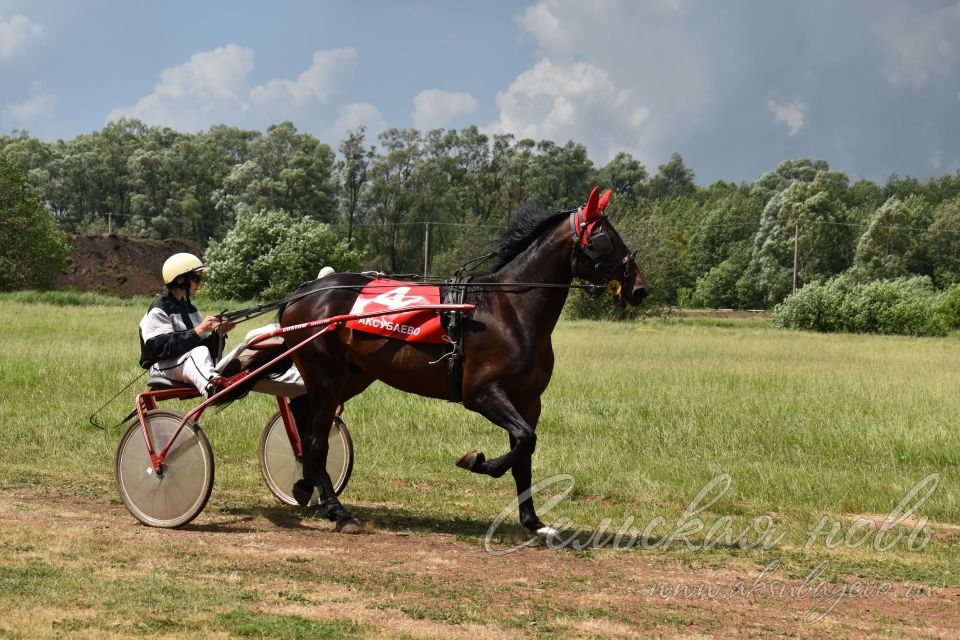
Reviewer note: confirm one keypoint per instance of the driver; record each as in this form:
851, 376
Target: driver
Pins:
174, 342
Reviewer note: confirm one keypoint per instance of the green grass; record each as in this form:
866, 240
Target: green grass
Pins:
641, 415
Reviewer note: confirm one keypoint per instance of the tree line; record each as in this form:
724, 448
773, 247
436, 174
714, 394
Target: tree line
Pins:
414, 200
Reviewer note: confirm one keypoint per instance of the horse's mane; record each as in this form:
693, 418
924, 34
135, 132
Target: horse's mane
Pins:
531, 222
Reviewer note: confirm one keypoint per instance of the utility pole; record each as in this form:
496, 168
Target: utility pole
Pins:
426, 247
796, 252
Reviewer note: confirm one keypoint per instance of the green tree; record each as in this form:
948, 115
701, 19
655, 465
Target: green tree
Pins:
560, 175
717, 288
673, 179
891, 246
298, 172
660, 237
352, 171
787, 172
394, 187
519, 175
863, 199
823, 243
941, 243
728, 217
32, 249
626, 176
269, 253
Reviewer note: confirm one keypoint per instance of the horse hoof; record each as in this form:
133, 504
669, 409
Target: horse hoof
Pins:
302, 492
350, 526
471, 460
548, 536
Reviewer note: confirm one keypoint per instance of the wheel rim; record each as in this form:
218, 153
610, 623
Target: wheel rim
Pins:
280, 466
180, 493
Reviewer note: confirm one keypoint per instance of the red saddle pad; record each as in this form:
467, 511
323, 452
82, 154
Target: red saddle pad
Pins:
409, 326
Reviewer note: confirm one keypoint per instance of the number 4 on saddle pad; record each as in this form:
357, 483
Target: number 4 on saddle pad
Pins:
409, 326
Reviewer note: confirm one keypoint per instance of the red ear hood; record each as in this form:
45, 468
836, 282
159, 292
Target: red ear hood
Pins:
604, 200
591, 211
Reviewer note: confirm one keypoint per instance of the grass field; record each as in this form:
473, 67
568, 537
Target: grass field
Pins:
642, 416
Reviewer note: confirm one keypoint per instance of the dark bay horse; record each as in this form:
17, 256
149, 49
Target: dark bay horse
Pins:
507, 352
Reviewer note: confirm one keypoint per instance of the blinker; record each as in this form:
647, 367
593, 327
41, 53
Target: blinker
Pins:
601, 244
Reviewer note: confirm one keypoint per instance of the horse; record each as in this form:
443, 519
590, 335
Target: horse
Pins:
507, 355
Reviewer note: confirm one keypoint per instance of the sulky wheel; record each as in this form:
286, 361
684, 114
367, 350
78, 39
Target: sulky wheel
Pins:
174, 497
281, 468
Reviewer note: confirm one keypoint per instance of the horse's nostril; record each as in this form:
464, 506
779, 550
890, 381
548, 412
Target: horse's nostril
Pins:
640, 293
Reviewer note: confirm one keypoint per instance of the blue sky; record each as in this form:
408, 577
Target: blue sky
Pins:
871, 86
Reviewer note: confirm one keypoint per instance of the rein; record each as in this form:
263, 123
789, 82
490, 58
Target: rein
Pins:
243, 315
583, 243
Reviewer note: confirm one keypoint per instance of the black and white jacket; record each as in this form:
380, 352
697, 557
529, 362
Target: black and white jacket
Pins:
166, 331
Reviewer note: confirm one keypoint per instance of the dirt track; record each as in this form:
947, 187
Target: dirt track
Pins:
434, 585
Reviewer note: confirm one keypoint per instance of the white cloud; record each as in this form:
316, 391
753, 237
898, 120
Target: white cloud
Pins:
540, 22
793, 114
354, 115
434, 109
622, 75
213, 86
210, 87
570, 101
16, 34
40, 105
316, 84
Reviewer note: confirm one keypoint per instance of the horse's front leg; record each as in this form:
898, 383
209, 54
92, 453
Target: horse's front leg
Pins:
520, 423
522, 470
493, 404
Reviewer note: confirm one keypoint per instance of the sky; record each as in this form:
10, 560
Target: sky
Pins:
734, 86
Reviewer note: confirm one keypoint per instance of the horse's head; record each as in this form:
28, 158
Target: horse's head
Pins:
600, 255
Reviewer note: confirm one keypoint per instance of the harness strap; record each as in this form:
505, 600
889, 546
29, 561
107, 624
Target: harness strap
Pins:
452, 322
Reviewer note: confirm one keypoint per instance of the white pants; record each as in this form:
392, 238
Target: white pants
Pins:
194, 367
288, 384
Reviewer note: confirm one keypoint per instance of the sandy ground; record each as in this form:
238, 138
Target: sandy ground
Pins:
439, 586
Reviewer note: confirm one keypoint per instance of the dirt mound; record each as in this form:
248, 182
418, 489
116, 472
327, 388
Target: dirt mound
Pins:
119, 265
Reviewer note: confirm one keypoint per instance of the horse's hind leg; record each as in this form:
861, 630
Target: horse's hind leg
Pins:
315, 473
325, 387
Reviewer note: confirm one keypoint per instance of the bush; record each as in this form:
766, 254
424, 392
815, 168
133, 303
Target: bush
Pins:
907, 306
717, 289
903, 306
32, 249
269, 254
948, 307
583, 306
816, 307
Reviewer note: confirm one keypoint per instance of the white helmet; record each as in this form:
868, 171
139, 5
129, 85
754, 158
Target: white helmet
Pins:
181, 264
325, 272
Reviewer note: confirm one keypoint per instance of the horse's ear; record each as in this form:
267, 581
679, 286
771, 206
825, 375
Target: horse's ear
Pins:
590, 211
604, 200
